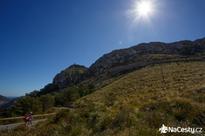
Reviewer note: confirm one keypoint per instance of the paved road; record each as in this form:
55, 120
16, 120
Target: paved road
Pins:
15, 125
21, 117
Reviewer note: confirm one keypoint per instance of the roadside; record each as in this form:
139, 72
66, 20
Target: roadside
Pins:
15, 125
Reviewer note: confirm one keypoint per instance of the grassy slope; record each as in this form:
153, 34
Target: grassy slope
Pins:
168, 93
137, 104
153, 83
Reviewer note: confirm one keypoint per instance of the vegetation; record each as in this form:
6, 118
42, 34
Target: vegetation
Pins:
38, 102
136, 104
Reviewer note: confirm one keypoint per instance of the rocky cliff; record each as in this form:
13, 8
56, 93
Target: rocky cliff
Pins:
120, 61
70, 76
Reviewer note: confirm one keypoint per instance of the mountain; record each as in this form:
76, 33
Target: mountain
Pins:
140, 102
136, 104
70, 76
130, 91
122, 61
3, 100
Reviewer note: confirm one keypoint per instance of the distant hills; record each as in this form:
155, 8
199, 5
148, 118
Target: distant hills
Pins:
3, 100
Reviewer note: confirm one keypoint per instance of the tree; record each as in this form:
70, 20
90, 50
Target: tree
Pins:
47, 102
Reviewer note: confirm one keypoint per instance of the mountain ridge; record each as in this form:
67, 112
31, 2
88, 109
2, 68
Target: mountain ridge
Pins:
130, 54
132, 90
125, 60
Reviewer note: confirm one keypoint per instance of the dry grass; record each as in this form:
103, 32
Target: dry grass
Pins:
136, 104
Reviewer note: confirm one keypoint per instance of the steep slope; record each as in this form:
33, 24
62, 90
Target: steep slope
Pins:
70, 76
137, 104
154, 83
122, 61
140, 102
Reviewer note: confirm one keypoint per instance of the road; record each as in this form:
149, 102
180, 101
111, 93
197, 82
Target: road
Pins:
21, 117
15, 125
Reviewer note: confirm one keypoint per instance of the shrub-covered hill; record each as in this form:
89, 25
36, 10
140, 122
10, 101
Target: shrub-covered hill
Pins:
137, 104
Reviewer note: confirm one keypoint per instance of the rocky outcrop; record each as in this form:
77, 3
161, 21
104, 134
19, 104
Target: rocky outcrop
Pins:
123, 60
70, 76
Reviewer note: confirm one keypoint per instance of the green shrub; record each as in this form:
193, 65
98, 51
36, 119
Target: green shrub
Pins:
179, 111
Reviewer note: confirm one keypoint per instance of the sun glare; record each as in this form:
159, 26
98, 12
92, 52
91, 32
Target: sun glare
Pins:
142, 10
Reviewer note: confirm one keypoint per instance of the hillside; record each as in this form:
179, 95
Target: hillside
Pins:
140, 102
70, 76
126, 60
130, 91
136, 104
123, 61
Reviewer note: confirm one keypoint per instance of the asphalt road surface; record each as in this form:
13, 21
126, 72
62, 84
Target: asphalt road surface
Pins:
15, 125
22, 117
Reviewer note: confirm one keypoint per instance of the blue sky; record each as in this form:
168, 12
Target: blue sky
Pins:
39, 38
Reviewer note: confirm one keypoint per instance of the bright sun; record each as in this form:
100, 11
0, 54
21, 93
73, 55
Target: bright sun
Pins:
143, 9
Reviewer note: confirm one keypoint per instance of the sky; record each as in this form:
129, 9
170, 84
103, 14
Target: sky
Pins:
39, 38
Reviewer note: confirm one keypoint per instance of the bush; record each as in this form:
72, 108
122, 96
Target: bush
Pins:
192, 49
179, 111
123, 118
47, 102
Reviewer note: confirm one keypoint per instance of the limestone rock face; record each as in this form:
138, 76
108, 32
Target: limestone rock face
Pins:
119, 61
126, 60
70, 76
